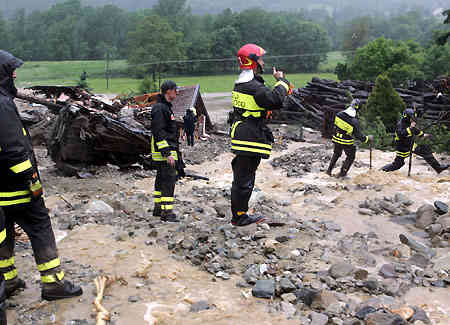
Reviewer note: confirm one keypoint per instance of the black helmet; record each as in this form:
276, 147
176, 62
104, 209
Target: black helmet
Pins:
167, 85
410, 113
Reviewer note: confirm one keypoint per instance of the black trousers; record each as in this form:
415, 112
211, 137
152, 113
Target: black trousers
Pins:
3, 320
423, 151
166, 177
244, 173
350, 153
190, 138
34, 219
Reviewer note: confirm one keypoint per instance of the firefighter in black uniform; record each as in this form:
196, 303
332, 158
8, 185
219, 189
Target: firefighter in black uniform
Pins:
165, 153
347, 128
21, 196
405, 133
3, 320
251, 139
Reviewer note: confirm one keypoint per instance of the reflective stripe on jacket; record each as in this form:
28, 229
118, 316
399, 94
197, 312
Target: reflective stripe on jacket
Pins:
164, 141
347, 129
251, 100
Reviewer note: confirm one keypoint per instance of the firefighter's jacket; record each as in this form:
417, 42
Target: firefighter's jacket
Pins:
164, 131
252, 100
404, 137
17, 162
347, 128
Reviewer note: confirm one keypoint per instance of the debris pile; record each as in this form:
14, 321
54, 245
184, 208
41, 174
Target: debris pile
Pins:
81, 129
321, 99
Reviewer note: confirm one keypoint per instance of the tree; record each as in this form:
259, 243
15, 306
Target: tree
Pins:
396, 59
174, 11
442, 39
384, 102
153, 40
437, 61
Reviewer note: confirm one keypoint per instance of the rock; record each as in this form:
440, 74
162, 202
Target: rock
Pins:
366, 212
252, 274
289, 297
270, 246
199, 306
405, 312
363, 312
264, 289
223, 211
337, 321
380, 318
444, 221
425, 216
441, 207
288, 309
306, 295
287, 286
419, 260
336, 308
341, 270
361, 274
133, 299
332, 226
388, 271
235, 254
442, 263
434, 228
371, 285
78, 322
282, 239
318, 319
324, 299
223, 275
98, 207
352, 321
419, 316
417, 246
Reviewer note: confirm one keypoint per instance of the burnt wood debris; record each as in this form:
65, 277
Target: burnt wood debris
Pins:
82, 129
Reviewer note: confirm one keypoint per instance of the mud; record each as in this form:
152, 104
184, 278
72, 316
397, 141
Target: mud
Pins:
168, 268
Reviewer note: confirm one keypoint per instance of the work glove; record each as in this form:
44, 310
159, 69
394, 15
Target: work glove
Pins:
35, 187
370, 137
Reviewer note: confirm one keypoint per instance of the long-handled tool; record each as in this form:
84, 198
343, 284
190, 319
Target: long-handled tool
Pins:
411, 156
370, 155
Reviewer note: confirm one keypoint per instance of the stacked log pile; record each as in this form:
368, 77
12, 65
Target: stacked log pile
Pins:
318, 102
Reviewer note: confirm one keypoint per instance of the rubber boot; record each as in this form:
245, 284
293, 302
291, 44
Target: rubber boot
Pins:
60, 290
157, 211
435, 164
333, 162
3, 320
169, 216
245, 220
12, 286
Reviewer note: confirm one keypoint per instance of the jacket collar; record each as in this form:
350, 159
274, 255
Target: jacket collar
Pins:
350, 111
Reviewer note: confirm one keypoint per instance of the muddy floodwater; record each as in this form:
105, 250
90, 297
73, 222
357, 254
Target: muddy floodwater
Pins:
161, 279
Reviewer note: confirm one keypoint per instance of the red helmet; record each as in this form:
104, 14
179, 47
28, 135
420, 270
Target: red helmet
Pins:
248, 55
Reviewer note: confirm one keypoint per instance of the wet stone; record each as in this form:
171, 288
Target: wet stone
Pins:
419, 260
133, 299
282, 239
363, 312
289, 297
361, 274
441, 207
286, 285
199, 306
318, 319
341, 270
388, 271
380, 318
78, 322
306, 295
419, 315
264, 289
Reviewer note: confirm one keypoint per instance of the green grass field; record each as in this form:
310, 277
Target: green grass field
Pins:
68, 73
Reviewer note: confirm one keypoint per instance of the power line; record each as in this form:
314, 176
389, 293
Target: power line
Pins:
234, 59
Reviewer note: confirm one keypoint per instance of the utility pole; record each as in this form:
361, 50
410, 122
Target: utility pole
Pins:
107, 69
